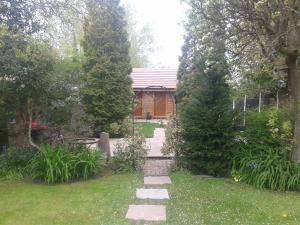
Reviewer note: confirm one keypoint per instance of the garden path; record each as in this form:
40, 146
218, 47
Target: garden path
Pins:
155, 191
152, 197
154, 144
157, 164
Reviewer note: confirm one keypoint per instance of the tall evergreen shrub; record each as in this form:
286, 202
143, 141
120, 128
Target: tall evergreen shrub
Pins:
107, 93
206, 118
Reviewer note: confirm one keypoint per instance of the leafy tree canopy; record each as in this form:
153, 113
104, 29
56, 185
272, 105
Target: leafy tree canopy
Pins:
253, 30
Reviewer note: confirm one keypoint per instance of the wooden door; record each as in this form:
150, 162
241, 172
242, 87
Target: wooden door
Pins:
160, 104
138, 111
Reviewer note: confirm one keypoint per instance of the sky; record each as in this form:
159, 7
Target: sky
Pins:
166, 18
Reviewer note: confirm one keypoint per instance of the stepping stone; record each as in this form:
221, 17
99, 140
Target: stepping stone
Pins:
146, 212
157, 180
152, 193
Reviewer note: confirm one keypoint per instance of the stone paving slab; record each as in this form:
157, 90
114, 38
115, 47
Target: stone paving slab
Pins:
155, 144
157, 180
159, 133
146, 212
151, 193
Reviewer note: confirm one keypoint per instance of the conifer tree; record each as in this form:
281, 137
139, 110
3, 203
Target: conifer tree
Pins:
207, 120
107, 92
204, 101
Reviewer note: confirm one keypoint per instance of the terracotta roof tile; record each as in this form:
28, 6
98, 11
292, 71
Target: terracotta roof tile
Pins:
144, 77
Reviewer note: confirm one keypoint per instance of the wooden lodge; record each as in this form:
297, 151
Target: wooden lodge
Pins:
155, 92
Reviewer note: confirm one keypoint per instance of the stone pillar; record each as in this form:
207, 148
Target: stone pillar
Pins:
103, 144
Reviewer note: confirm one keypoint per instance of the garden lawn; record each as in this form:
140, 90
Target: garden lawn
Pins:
146, 129
102, 201
210, 201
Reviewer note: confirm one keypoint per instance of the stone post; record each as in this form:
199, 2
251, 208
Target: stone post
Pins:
103, 144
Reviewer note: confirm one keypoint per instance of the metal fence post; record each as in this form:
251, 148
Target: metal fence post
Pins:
245, 106
233, 104
277, 99
259, 102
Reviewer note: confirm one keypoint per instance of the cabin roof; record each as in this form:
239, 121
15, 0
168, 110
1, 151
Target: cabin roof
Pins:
145, 77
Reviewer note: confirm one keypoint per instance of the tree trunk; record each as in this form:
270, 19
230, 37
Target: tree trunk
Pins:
29, 111
17, 132
293, 44
294, 88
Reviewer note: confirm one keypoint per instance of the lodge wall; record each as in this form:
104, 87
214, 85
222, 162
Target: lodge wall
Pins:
158, 104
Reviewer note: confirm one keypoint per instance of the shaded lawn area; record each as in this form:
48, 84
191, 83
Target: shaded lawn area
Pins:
146, 129
211, 201
100, 201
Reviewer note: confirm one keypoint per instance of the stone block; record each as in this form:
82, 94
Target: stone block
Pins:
146, 212
157, 180
152, 193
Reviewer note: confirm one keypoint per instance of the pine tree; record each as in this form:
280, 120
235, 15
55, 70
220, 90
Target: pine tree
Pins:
207, 120
107, 93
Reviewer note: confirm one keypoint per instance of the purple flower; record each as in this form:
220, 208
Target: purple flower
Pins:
252, 165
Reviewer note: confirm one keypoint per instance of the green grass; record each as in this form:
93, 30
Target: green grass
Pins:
146, 129
104, 201
210, 201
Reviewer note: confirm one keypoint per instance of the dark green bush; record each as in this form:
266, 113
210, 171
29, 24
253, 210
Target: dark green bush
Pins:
207, 120
19, 157
14, 162
119, 164
4, 168
120, 129
62, 164
262, 153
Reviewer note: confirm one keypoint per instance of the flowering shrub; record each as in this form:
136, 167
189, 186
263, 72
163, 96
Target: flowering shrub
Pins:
130, 154
174, 139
